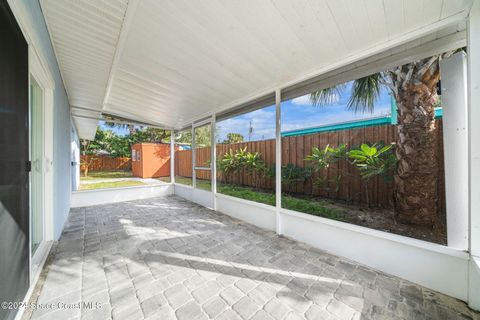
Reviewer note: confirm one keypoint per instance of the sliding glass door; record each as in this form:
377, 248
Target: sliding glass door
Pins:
36, 156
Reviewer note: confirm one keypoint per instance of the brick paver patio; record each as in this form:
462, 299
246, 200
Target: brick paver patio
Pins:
166, 258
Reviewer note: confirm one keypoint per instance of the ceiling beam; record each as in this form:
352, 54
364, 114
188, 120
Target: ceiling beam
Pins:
127, 22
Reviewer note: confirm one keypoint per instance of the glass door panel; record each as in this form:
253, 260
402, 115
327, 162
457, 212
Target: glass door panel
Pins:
203, 155
36, 156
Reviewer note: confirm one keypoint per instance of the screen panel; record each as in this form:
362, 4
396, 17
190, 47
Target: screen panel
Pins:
14, 143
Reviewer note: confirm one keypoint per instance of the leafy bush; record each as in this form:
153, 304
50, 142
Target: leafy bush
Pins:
321, 159
373, 160
229, 164
291, 174
234, 162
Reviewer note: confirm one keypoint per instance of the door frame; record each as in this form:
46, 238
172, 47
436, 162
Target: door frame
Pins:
42, 76
205, 197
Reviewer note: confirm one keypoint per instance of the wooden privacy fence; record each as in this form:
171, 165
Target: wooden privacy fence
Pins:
341, 180
106, 163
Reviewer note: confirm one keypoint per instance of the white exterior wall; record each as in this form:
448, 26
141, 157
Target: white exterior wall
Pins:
87, 198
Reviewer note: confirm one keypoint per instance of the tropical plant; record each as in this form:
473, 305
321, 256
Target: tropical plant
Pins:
228, 164
254, 166
233, 138
234, 162
414, 86
373, 161
322, 158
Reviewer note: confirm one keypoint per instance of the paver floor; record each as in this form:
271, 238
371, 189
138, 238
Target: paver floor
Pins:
167, 258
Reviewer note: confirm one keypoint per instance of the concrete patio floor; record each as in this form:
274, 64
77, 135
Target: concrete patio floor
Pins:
167, 258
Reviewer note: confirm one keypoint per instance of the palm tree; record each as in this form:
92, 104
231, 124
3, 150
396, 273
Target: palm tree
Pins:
414, 86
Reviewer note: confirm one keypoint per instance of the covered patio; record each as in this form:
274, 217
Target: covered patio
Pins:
320, 159
168, 258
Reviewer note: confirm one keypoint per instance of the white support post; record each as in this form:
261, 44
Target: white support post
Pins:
473, 47
172, 156
194, 178
473, 57
278, 160
213, 161
455, 137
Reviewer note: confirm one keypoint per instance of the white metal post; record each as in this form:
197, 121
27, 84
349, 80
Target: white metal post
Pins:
278, 160
473, 58
473, 47
194, 178
455, 131
213, 161
172, 156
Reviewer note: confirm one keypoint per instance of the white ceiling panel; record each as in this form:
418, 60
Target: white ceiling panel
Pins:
171, 62
84, 35
86, 127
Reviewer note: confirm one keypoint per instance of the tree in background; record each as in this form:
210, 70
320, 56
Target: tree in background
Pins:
120, 146
233, 138
184, 137
102, 142
203, 136
152, 135
131, 128
414, 86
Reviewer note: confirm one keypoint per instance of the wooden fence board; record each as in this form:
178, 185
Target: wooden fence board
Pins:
106, 163
296, 148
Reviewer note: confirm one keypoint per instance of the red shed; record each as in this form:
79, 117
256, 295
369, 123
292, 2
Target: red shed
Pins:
151, 160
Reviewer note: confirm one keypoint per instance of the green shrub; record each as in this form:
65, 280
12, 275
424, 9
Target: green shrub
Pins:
292, 174
373, 160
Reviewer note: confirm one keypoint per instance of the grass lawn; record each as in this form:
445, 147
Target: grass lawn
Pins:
201, 184
313, 207
246, 193
164, 179
100, 175
113, 184
316, 208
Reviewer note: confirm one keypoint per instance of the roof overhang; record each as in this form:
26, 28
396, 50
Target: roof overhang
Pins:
170, 63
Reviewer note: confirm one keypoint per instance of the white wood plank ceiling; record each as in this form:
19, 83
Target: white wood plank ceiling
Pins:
171, 62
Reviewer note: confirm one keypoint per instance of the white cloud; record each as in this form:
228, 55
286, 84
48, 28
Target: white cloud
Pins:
303, 100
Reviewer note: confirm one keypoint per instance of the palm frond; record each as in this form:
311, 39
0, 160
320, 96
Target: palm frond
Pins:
327, 96
365, 92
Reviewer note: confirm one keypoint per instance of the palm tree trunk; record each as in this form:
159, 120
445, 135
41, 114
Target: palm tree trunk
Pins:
415, 192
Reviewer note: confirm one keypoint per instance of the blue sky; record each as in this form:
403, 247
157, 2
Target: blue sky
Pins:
118, 131
297, 114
